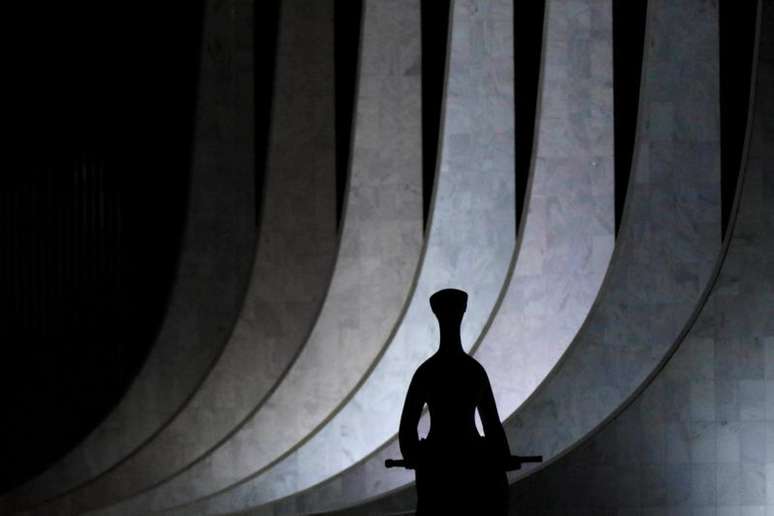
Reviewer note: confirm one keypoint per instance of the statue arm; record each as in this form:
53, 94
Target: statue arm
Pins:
408, 437
490, 420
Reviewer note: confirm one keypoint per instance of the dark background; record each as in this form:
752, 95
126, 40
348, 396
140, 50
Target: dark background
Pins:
93, 200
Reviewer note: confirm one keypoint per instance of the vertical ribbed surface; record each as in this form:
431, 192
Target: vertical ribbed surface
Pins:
667, 247
566, 238
469, 243
60, 235
699, 439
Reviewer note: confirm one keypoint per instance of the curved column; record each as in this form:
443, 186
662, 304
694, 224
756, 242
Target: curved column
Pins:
470, 244
378, 255
700, 437
567, 236
292, 267
212, 273
668, 244
566, 243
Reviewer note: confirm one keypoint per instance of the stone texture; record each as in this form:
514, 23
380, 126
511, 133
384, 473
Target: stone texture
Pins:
470, 243
378, 254
725, 359
668, 243
663, 261
211, 277
566, 242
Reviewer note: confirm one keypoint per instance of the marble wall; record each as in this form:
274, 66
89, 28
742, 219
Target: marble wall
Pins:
667, 248
470, 243
378, 254
699, 439
566, 238
293, 261
212, 273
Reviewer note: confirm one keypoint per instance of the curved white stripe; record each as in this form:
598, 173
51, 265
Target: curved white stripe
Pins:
565, 247
707, 417
378, 255
470, 244
668, 245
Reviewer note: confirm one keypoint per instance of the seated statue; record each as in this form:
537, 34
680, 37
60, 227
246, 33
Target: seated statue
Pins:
457, 470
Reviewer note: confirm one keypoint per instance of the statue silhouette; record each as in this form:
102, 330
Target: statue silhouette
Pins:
457, 470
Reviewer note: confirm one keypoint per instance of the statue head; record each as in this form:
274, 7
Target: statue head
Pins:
449, 305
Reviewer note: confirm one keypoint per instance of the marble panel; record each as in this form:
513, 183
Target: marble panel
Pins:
668, 245
731, 461
379, 250
663, 263
293, 261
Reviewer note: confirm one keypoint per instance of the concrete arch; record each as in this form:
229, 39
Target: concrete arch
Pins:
204, 303
477, 167
699, 435
292, 267
662, 264
379, 251
669, 241
565, 247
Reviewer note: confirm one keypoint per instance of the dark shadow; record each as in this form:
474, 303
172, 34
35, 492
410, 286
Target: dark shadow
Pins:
737, 21
528, 21
435, 38
347, 19
265, 41
93, 206
628, 45
457, 470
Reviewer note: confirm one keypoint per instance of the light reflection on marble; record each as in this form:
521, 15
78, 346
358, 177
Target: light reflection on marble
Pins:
375, 267
567, 235
217, 251
470, 244
668, 244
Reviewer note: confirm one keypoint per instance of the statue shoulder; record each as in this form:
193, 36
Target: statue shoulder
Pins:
424, 369
476, 365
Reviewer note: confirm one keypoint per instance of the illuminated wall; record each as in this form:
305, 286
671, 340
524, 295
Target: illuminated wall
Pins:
562, 255
699, 439
468, 247
378, 253
664, 257
668, 243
